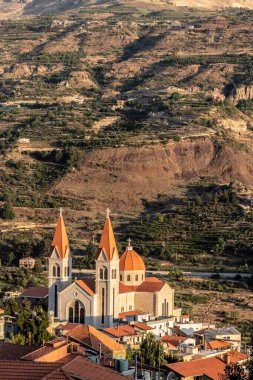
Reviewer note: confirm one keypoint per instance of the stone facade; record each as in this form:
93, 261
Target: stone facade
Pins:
120, 284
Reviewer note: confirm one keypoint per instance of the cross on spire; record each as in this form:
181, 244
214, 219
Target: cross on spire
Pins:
61, 210
108, 213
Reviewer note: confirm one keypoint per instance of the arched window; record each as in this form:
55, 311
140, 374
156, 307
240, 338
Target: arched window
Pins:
71, 315
54, 272
114, 274
58, 273
65, 271
82, 315
68, 272
76, 312
128, 277
121, 277
101, 274
136, 277
105, 274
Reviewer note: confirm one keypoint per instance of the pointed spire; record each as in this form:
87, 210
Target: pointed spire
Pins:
108, 242
60, 241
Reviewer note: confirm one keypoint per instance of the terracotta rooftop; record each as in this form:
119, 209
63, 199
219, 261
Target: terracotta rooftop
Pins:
131, 261
88, 285
131, 312
92, 337
22, 370
60, 241
82, 368
9, 351
47, 349
35, 292
120, 331
151, 284
143, 326
214, 368
173, 340
108, 242
217, 344
67, 326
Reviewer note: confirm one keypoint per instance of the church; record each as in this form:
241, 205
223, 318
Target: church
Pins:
120, 284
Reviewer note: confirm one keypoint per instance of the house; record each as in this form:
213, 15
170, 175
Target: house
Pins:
126, 335
161, 326
227, 334
77, 368
27, 262
205, 369
90, 337
38, 296
134, 315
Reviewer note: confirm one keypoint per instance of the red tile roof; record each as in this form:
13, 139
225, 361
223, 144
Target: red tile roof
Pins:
22, 370
217, 344
47, 349
83, 368
151, 284
214, 368
88, 285
93, 338
173, 340
143, 326
9, 351
120, 331
67, 326
35, 292
131, 312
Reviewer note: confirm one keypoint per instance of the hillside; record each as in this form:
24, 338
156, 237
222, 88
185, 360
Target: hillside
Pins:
118, 106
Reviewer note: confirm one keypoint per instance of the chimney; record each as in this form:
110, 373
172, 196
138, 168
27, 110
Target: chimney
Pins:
228, 359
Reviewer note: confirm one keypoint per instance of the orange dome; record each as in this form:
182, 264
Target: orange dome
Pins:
130, 260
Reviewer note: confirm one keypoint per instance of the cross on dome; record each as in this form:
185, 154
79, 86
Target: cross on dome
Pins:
129, 247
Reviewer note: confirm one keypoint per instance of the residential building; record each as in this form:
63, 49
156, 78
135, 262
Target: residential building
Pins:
90, 337
27, 262
36, 296
205, 369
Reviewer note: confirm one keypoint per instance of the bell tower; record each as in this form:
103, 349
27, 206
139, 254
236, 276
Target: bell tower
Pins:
107, 276
60, 266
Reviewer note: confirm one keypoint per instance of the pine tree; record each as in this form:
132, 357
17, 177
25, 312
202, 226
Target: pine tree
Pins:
8, 212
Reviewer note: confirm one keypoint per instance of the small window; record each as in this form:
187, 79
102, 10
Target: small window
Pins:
101, 274
136, 277
54, 272
122, 309
128, 277
105, 274
121, 277
130, 307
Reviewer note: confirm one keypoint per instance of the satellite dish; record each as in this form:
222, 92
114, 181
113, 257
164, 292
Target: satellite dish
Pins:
171, 376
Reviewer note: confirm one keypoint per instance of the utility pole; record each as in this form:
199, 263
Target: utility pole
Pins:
136, 366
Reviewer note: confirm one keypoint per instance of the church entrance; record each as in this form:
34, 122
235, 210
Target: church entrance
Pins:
76, 312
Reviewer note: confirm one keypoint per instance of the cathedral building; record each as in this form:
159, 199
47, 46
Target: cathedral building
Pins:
120, 284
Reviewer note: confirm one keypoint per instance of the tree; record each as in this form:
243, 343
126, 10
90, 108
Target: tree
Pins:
34, 323
151, 351
8, 212
236, 372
